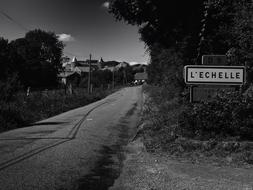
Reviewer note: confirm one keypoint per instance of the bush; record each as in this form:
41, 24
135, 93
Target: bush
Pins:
11, 116
161, 110
229, 115
9, 88
23, 110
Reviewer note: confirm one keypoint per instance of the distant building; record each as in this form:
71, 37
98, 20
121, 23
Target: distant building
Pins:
140, 77
73, 71
69, 78
81, 70
74, 67
139, 68
81, 67
113, 65
122, 65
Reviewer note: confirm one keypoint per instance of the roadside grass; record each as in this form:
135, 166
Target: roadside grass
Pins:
24, 110
160, 113
162, 133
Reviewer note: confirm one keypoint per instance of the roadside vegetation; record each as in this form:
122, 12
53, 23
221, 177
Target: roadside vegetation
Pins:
24, 110
30, 89
221, 128
219, 132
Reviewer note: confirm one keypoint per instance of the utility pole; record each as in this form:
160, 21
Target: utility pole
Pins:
125, 77
113, 78
89, 77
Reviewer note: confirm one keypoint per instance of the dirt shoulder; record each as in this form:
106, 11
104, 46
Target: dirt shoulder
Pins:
153, 171
154, 161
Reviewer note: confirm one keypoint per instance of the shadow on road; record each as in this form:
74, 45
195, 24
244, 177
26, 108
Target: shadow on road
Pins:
45, 123
110, 164
106, 171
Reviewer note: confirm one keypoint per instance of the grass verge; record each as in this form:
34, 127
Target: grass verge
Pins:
162, 133
24, 110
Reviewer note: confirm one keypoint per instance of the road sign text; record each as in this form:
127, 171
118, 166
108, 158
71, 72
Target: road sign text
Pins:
230, 75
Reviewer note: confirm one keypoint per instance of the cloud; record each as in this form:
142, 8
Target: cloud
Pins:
135, 63
106, 5
65, 37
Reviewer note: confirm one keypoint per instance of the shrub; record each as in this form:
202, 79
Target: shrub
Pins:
9, 88
161, 110
11, 116
23, 110
229, 115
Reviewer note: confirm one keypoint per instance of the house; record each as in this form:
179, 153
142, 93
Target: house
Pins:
140, 78
122, 65
81, 70
109, 65
113, 65
77, 69
139, 68
81, 66
69, 78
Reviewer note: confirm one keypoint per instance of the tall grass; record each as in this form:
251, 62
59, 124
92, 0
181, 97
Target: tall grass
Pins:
24, 110
161, 110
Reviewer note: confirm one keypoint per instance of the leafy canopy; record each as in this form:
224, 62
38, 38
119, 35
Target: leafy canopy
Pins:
37, 58
163, 22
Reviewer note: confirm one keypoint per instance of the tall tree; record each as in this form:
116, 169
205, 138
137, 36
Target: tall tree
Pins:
4, 58
176, 24
163, 22
38, 55
229, 31
170, 29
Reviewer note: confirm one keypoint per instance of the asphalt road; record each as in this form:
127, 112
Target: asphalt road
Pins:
79, 149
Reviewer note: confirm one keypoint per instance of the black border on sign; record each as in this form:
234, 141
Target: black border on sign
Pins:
215, 67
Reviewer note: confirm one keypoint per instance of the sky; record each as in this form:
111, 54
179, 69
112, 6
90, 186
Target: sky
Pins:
85, 26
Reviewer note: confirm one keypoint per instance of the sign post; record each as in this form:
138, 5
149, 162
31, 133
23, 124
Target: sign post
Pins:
212, 77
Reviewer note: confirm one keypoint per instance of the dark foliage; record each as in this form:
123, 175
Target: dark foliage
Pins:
36, 58
160, 21
229, 115
170, 31
4, 59
9, 88
25, 110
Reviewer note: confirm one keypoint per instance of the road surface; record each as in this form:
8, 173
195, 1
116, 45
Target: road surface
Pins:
79, 149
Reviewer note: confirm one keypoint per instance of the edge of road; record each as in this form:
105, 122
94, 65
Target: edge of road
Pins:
144, 170
89, 107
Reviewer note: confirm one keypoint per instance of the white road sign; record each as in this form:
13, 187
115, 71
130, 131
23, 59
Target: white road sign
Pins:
224, 75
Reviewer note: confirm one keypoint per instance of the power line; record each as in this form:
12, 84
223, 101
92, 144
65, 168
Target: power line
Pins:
24, 28
13, 20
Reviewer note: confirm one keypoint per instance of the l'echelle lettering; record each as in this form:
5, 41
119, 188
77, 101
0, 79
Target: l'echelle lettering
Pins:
215, 75
206, 74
